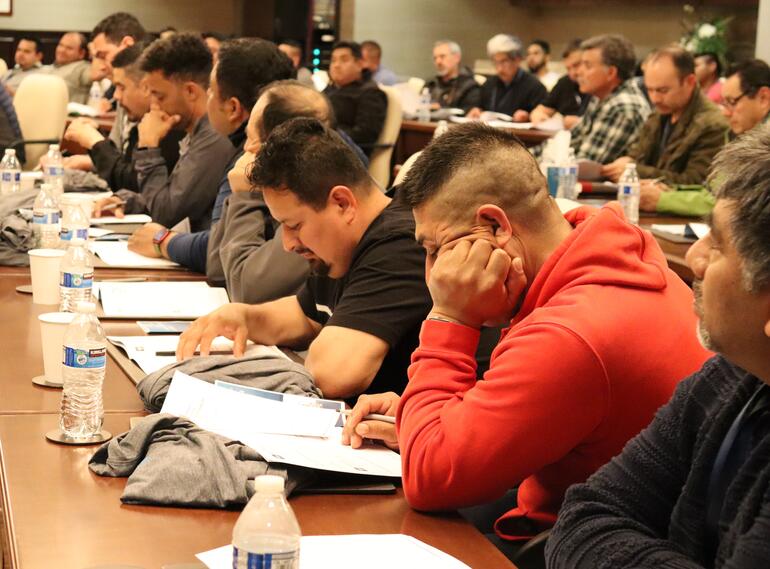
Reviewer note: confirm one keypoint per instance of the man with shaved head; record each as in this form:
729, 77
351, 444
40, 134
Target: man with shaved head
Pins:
592, 312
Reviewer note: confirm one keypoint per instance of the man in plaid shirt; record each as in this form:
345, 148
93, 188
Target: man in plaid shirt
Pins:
618, 108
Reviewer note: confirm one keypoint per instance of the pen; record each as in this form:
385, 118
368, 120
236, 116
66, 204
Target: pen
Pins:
372, 417
113, 205
211, 353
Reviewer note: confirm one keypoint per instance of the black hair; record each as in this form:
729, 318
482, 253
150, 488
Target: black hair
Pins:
354, 48
308, 159
119, 25
246, 65
543, 44
33, 39
129, 59
182, 56
571, 47
373, 45
753, 74
682, 59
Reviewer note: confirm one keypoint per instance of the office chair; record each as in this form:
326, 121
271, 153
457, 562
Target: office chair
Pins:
41, 107
379, 161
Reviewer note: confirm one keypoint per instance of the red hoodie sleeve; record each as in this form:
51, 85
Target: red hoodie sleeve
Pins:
466, 442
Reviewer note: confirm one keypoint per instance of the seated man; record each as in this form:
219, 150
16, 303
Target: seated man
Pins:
71, 65
746, 106
359, 311
371, 53
177, 76
115, 165
613, 118
243, 67
691, 490
512, 91
248, 240
679, 140
359, 105
593, 313
538, 56
565, 98
293, 51
28, 58
454, 85
10, 130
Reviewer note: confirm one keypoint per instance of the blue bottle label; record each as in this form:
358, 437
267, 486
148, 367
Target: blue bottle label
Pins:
552, 176
75, 280
283, 560
625, 189
11, 177
68, 234
46, 218
94, 358
55, 171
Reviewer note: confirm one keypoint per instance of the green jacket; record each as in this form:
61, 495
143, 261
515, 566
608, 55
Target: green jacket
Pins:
694, 141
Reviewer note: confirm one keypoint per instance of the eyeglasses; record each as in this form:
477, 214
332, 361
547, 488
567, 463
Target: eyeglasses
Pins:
730, 103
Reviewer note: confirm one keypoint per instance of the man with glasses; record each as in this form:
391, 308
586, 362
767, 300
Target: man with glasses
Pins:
746, 105
512, 91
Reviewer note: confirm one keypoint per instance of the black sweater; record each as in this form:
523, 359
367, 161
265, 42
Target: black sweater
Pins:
647, 507
360, 108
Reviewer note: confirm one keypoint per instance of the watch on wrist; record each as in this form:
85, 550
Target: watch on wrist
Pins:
159, 237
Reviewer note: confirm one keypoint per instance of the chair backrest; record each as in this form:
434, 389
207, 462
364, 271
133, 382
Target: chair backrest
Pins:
405, 168
3, 66
320, 79
379, 161
416, 84
480, 79
41, 107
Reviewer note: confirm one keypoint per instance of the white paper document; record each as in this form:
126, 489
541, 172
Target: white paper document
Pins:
169, 299
281, 431
116, 254
691, 230
384, 551
125, 220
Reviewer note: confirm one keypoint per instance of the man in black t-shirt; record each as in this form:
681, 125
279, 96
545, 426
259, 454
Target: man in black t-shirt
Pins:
565, 98
360, 311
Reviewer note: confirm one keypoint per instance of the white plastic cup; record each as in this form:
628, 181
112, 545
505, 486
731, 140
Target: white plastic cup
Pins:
28, 179
53, 325
44, 267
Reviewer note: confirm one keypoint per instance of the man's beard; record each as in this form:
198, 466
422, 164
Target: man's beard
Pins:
704, 337
536, 68
318, 267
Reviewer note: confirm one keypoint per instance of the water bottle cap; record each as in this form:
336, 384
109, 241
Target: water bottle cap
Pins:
54, 147
268, 484
87, 307
10, 152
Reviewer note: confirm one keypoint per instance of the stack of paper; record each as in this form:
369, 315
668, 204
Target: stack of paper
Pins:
691, 230
353, 552
116, 254
171, 300
128, 219
273, 427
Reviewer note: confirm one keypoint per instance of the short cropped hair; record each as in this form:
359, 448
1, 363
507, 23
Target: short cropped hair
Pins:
128, 59
739, 173
81, 38
454, 47
33, 39
493, 161
373, 46
289, 99
546, 47
246, 65
293, 44
183, 57
354, 48
119, 25
304, 157
754, 74
616, 51
571, 47
682, 59
505, 43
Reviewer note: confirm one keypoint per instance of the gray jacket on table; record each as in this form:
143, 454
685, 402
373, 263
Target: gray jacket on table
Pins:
246, 253
190, 189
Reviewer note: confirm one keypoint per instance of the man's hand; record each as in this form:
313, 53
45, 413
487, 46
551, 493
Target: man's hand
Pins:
78, 162
357, 429
141, 240
650, 194
112, 205
237, 175
230, 320
475, 283
614, 170
474, 113
83, 131
540, 113
155, 125
520, 116
570, 121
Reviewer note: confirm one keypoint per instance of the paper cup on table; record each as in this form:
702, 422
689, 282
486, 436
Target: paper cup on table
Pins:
52, 328
44, 267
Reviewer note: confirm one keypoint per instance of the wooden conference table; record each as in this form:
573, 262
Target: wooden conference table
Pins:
56, 513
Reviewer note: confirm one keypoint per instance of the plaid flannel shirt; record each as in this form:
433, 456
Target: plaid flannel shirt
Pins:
610, 126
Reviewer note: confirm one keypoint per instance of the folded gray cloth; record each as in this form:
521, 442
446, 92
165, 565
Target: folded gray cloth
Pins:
16, 237
82, 181
170, 461
265, 372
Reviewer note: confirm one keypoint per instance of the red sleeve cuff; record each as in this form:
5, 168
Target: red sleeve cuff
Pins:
448, 336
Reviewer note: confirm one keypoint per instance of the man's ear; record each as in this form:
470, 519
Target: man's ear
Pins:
344, 201
497, 220
127, 41
192, 90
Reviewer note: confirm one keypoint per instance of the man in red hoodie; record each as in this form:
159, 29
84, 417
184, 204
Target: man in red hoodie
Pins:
600, 333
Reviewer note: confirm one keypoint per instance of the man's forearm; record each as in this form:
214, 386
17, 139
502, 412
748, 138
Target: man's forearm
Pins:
281, 323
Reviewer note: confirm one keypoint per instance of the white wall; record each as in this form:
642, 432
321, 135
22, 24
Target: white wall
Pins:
763, 31
196, 15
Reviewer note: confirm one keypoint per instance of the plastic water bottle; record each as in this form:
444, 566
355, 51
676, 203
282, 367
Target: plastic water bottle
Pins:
266, 534
95, 96
10, 173
423, 106
74, 220
441, 128
629, 192
45, 218
83, 365
76, 276
54, 169
568, 175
